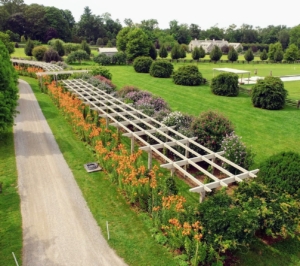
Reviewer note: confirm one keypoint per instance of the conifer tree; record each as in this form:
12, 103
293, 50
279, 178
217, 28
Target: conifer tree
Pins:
29, 47
163, 53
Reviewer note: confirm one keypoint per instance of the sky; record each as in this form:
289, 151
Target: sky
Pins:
206, 14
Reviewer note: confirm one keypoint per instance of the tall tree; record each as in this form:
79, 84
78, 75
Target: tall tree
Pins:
284, 38
4, 15
194, 31
122, 39
273, 49
175, 52
196, 53
215, 54
4, 37
249, 56
8, 89
163, 53
291, 53
138, 44
295, 36
232, 54
36, 25
13, 6
16, 23
263, 55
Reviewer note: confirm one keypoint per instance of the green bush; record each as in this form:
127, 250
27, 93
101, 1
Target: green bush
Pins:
38, 52
79, 56
85, 47
225, 84
71, 47
142, 64
119, 58
161, 69
188, 75
102, 59
29, 47
51, 55
210, 128
281, 173
102, 71
269, 93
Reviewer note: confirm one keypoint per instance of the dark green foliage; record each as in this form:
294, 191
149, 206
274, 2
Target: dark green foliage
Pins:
202, 52
153, 52
119, 58
278, 56
85, 47
175, 52
225, 222
269, 93
161, 69
281, 173
51, 55
232, 54
38, 52
196, 53
102, 59
79, 56
23, 39
291, 53
163, 53
99, 42
188, 75
6, 40
70, 47
8, 89
215, 54
102, 71
29, 47
210, 128
263, 55
142, 64
59, 47
249, 56
171, 188
182, 52
225, 84
277, 212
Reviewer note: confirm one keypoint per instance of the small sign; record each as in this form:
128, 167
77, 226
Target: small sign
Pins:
92, 167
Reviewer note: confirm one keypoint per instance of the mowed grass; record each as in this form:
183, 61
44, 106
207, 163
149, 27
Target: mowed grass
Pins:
267, 132
10, 215
129, 231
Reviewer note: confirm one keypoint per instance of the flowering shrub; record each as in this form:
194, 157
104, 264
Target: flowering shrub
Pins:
134, 96
177, 119
237, 152
126, 89
106, 81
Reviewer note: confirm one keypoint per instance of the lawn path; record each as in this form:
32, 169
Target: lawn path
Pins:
58, 227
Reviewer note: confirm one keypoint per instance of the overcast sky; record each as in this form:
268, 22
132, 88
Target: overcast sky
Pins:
206, 14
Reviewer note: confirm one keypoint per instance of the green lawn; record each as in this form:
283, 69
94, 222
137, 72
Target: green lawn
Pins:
10, 215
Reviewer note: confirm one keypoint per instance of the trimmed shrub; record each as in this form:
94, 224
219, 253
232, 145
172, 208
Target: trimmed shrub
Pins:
71, 47
119, 58
161, 69
102, 71
51, 55
29, 47
163, 53
58, 46
142, 64
38, 52
85, 47
79, 56
102, 59
210, 128
188, 76
153, 52
237, 152
269, 93
281, 173
225, 84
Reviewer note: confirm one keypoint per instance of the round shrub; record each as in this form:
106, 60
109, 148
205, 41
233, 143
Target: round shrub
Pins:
188, 76
281, 173
237, 152
142, 64
51, 55
38, 52
225, 84
269, 93
210, 128
161, 69
102, 71
78, 55
102, 59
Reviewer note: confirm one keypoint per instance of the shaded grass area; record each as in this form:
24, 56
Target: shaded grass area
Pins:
267, 132
129, 231
10, 213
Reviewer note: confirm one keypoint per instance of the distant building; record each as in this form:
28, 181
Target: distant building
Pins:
208, 45
109, 51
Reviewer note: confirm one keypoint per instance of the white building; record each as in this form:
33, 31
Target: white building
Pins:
109, 51
208, 45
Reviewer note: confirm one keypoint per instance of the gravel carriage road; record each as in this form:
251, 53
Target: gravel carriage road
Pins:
58, 227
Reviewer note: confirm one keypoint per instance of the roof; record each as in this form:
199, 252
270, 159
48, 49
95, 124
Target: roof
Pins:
108, 50
232, 70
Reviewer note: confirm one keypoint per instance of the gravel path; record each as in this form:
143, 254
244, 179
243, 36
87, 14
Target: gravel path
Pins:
58, 227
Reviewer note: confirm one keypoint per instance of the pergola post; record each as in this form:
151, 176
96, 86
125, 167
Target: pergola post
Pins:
149, 159
172, 171
132, 145
55, 77
202, 196
186, 155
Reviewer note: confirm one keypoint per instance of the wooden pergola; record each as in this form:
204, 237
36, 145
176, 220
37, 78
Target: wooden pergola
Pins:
137, 124
43, 65
235, 71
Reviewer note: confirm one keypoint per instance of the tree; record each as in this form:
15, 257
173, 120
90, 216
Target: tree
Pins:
163, 53
6, 41
38, 52
85, 47
122, 39
295, 36
249, 55
263, 55
196, 53
202, 52
278, 56
79, 56
153, 52
232, 54
58, 46
175, 52
291, 53
8, 89
138, 44
29, 47
13, 6
273, 48
182, 52
194, 31
16, 23
215, 54
284, 38
4, 15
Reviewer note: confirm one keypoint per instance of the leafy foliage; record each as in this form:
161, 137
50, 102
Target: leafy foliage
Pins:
215, 54
177, 119
249, 56
29, 47
161, 69
85, 47
58, 46
38, 52
291, 53
153, 52
79, 56
138, 44
196, 53
263, 55
5, 38
102, 71
8, 89
225, 84
175, 52
237, 152
281, 173
142, 64
51, 55
269, 93
119, 58
232, 54
210, 128
102, 59
188, 75
163, 53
